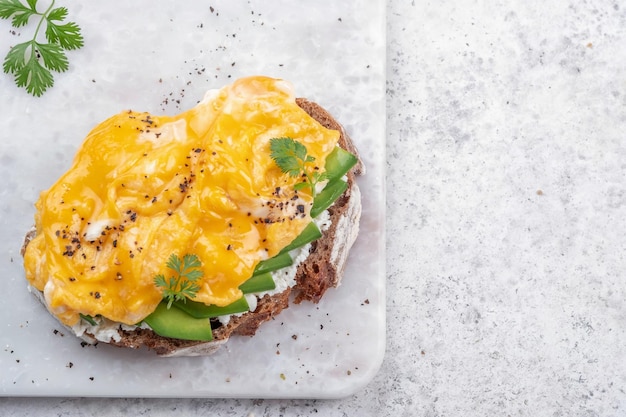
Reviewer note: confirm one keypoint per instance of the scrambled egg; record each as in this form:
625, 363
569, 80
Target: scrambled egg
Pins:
143, 187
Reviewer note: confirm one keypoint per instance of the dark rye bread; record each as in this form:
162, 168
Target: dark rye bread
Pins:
324, 263
322, 269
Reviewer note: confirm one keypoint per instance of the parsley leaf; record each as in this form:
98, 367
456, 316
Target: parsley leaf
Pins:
34, 77
53, 56
67, 35
33, 61
292, 159
20, 13
183, 284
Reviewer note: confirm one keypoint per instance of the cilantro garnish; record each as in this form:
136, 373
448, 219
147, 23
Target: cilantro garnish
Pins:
183, 284
292, 158
31, 62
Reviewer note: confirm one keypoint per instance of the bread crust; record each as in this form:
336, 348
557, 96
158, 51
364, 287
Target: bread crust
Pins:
322, 269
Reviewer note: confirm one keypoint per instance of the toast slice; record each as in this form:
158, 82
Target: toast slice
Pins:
322, 269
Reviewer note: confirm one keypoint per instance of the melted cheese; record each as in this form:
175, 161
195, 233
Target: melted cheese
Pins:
142, 187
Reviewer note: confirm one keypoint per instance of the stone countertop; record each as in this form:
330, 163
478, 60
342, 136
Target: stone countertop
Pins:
506, 203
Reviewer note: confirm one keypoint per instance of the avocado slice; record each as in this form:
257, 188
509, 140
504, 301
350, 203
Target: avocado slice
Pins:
175, 323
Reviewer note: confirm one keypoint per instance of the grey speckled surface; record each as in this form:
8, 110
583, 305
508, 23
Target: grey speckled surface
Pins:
506, 216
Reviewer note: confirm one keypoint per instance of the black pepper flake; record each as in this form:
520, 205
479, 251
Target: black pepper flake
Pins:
115, 243
154, 200
97, 295
183, 186
229, 247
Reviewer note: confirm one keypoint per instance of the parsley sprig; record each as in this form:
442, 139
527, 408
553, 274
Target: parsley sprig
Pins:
31, 62
183, 284
292, 158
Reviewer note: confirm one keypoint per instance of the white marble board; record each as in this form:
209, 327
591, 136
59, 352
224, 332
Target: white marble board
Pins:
161, 56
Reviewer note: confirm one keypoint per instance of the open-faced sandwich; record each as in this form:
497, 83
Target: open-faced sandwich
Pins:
175, 233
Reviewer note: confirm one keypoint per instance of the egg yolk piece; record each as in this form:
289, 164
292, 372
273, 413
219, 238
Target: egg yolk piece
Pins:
143, 187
